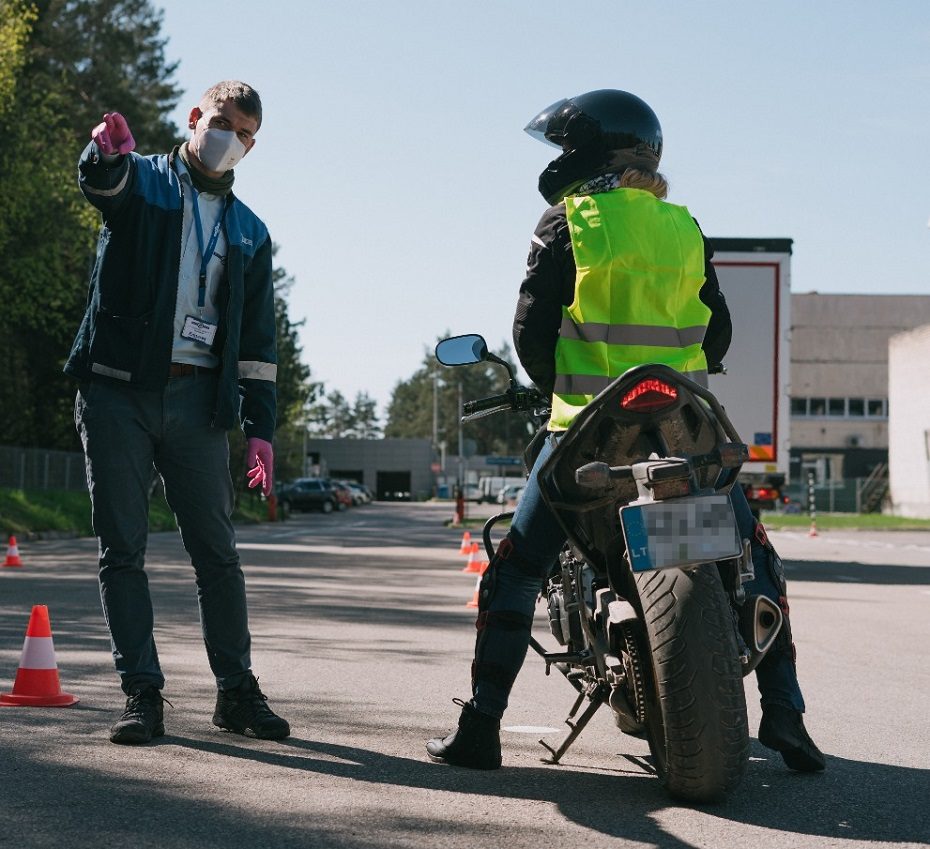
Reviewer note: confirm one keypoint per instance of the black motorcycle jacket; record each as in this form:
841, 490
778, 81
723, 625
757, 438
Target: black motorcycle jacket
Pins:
550, 284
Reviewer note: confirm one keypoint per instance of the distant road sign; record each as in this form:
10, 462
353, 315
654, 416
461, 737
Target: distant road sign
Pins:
503, 461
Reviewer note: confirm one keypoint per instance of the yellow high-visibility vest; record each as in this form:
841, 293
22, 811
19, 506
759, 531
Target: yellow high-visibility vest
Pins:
640, 268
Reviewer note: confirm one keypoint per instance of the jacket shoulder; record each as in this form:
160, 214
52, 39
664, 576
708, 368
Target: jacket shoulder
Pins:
156, 180
245, 228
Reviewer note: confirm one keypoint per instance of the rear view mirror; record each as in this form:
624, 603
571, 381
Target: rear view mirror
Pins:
462, 350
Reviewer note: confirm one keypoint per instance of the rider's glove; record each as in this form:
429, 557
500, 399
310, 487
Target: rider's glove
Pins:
112, 135
260, 462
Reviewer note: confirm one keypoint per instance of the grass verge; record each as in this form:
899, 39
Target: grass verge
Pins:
844, 521
27, 512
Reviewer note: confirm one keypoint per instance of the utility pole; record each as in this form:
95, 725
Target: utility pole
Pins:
461, 443
435, 409
304, 465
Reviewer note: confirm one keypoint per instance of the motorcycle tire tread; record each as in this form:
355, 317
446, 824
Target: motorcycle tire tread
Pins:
698, 684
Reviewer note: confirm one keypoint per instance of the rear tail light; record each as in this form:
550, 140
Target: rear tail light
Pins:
648, 396
762, 493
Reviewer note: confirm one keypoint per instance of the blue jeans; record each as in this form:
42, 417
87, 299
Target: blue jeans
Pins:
514, 580
125, 432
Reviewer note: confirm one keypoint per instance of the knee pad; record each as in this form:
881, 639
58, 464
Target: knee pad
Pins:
498, 623
505, 552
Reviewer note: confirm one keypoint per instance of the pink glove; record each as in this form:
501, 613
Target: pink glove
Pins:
260, 460
112, 135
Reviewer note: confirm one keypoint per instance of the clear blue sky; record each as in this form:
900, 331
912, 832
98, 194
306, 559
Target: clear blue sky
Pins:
392, 170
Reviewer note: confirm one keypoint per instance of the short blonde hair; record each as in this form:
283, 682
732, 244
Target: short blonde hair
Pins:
650, 181
240, 93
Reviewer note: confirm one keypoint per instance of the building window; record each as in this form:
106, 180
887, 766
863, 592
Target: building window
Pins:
840, 408
818, 407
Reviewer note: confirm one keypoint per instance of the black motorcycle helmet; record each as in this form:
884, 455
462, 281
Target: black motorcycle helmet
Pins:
600, 131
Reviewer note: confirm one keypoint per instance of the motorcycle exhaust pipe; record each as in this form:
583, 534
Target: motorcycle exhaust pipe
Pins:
760, 620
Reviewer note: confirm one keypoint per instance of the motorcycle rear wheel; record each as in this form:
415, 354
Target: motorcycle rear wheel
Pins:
696, 719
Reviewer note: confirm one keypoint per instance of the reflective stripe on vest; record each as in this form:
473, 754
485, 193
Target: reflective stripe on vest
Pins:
591, 385
640, 268
256, 370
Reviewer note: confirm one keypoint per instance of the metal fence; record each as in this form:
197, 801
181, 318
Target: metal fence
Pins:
36, 468
846, 495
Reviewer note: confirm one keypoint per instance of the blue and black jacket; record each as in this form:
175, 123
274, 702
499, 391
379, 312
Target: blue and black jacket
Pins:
127, 332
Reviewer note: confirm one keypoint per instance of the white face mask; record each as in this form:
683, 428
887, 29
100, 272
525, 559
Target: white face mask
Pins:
219, 150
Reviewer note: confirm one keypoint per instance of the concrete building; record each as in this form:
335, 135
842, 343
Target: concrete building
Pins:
839, 380
394, 469
909, 423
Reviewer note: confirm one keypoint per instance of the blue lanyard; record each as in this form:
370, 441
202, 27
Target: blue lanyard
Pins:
204, 254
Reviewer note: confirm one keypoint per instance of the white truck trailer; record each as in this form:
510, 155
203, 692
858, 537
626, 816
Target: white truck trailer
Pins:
755, 278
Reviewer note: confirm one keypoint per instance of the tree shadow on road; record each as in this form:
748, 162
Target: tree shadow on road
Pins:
842, 803
847, 572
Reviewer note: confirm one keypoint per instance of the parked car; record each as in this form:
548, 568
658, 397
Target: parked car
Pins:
511, 493
472, 492
361, 494
344, 498
306, 494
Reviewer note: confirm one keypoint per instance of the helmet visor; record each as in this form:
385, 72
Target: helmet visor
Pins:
549, 125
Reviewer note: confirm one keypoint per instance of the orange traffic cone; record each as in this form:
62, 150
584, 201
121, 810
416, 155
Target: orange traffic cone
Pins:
482, 568
474, 562
37, 683
466, 543
474, 598
12, 554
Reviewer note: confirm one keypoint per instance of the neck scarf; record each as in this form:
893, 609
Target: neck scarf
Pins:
603, 183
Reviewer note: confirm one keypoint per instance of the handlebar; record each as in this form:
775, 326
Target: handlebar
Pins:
517, 398
469, 408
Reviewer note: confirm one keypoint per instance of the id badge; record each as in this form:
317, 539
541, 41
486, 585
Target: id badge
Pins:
198, 330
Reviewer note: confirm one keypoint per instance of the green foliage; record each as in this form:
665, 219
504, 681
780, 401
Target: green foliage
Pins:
411, 409
69, 62
16, 20
109, 56
365, 424
44, 243
843, 521
35, 511
332, 416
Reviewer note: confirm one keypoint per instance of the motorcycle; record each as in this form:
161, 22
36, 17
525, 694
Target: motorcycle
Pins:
646, 600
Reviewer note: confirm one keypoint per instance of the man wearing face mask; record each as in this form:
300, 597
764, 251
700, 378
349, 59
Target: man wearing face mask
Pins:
177, 342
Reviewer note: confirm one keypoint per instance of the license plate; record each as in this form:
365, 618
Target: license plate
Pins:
680, 533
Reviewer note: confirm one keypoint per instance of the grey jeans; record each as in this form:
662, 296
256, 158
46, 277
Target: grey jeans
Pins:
125, 432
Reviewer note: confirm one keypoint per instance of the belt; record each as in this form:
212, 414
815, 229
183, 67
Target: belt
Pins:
188, 370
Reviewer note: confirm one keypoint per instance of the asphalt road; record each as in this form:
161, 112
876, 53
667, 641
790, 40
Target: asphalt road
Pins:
362, 638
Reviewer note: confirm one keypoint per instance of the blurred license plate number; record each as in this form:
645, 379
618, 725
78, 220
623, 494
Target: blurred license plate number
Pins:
680, 533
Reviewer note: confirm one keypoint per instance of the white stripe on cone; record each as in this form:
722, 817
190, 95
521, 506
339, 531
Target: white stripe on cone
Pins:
38, 653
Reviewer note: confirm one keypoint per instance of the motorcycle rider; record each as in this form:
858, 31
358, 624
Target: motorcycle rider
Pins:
652, 269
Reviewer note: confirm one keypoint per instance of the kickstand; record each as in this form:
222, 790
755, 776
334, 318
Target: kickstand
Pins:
576, 725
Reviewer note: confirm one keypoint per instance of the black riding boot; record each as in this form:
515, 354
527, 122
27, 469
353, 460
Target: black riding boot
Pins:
782, 729
476, 743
